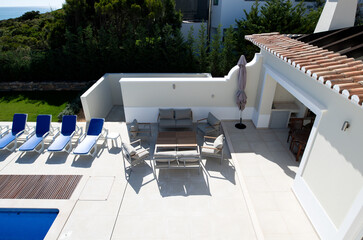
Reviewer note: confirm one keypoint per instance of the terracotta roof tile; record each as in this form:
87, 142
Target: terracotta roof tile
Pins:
343, 75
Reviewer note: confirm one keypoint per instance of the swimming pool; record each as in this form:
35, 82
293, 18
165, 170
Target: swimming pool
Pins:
23, 223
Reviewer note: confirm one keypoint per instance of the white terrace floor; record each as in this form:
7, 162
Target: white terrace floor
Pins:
249, 196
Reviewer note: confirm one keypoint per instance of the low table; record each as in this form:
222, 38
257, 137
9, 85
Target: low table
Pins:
176, 139
113, 137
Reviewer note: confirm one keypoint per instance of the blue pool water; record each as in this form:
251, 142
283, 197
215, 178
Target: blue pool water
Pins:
16, 223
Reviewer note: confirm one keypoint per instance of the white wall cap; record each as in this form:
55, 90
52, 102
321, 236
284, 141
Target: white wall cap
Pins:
355, 99
345, 93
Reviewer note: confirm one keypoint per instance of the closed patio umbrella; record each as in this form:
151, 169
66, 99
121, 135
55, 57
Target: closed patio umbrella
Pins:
241, 94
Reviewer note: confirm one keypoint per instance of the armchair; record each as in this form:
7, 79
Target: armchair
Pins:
209, 125
139, 130
213, 147
134, 153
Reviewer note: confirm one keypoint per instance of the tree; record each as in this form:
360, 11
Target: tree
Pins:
229, 57
274, 16
215, 56
201, 51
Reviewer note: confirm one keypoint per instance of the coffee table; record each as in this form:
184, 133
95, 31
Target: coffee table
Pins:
176, 139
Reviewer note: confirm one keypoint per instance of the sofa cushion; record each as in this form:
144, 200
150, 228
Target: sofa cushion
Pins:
167, 123
187, 154
166, 113
129, 149
183, 113
218, 143
213, 121
184, 123
134, 128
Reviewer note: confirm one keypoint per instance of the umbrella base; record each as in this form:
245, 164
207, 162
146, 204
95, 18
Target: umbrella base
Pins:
240, 126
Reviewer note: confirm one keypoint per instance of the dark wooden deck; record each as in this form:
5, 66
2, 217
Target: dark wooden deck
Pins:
38, 186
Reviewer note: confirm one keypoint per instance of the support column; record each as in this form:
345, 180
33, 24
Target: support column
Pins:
262, 115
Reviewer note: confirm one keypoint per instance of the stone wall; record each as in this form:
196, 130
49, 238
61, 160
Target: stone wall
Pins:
44, 86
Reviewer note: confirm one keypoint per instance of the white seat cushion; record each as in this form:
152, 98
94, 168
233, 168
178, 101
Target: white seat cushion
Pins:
129, 149
188, 154
218, 143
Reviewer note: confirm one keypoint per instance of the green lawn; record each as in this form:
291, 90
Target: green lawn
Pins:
34, 103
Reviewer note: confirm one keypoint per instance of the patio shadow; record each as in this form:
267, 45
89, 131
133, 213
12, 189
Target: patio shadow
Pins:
57, 158
27, 157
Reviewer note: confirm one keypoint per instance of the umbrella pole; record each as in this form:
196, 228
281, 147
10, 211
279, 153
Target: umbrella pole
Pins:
240, 125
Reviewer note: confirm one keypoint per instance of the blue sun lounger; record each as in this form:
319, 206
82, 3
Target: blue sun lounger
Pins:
88, 141
63, 139
36, 138
11, 135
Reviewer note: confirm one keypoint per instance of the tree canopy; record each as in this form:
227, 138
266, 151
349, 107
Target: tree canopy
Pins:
275, 16
88, 38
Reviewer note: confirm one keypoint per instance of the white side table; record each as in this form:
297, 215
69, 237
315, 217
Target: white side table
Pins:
113, 136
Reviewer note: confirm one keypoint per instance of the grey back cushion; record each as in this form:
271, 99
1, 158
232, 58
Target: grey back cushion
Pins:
166, 113
218, 143
134, 128
213, 121
183, 114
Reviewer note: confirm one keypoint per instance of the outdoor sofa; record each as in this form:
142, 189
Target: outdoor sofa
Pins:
175, 118
177, 157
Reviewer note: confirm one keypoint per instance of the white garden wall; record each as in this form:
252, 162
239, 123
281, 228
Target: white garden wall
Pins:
99, 99
143, 96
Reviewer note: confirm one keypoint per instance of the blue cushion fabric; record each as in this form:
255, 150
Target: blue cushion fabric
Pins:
43, 125
31, 144
86, 145
95, 126
6, 140
19, 121
59, 143
68, 124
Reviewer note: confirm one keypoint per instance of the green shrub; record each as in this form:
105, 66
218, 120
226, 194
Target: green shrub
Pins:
72, 108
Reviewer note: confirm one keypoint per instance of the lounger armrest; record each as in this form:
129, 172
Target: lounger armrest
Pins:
104, 133
203, 119
52, 129
28, 129
30, 134
19, 133
4, 127
45, 135
81, 137
78, 131
56, 135
6, 132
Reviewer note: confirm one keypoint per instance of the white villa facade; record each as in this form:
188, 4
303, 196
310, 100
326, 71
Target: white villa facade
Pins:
329, 182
